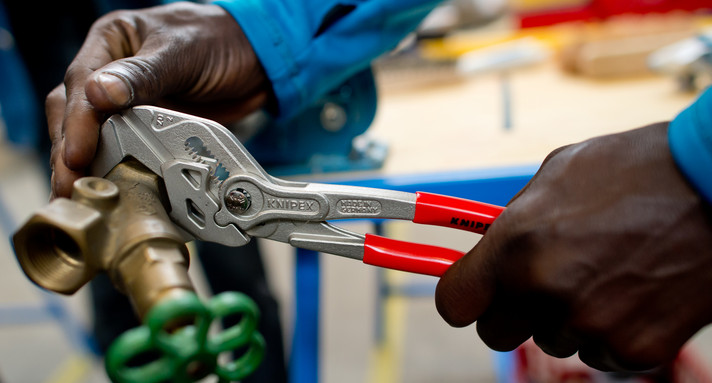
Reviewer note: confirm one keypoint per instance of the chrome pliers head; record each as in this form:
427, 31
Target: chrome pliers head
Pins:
219, 193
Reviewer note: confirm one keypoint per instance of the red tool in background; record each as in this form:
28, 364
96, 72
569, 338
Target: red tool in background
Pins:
597, 10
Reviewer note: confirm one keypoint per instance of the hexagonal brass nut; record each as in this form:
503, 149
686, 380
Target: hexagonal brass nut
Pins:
56, 244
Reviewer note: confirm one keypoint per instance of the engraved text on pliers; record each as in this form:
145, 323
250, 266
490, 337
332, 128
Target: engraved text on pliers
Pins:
291, 204
358, 206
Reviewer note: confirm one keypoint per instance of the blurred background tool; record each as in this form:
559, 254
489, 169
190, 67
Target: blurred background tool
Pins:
689, 61
536, 13
620, 46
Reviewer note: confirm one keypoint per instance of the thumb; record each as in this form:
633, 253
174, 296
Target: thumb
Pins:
127, 82
467, 288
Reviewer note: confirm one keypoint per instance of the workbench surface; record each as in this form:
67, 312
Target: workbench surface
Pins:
461, 124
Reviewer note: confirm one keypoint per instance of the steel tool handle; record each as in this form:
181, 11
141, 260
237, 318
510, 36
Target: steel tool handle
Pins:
431, 209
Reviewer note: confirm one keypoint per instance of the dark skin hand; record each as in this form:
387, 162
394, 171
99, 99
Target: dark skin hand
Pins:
606, 252
187, 57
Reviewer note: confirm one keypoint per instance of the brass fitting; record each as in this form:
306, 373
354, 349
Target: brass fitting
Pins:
117, 225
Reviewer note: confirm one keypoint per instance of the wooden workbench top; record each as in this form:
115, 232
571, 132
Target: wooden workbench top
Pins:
455, 125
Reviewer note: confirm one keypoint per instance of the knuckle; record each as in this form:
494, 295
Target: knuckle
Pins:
644, 352
142, 73
556, 344
492, 335
74, 75
138, 67
594, 321
122, 25
55, 97
110, 21
556, 152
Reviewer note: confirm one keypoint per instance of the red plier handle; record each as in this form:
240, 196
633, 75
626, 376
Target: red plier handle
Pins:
437, 210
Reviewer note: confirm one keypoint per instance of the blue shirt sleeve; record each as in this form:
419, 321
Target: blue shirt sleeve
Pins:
690, 138
307, 49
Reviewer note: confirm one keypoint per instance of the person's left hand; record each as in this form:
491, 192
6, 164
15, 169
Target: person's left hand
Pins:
188, 57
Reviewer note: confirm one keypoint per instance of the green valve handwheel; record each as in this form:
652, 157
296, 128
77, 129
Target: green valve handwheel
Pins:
174, 344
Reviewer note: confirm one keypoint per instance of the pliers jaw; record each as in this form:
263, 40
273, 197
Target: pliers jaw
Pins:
192, 156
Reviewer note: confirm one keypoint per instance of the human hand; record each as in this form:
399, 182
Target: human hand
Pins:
187, 57
607, 251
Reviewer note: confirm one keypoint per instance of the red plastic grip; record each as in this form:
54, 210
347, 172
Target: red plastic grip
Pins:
407, 256
453, 212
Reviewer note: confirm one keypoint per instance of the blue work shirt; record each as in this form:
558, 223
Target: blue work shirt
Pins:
308, 47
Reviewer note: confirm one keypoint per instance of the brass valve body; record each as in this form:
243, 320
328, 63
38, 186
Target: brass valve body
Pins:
117, 225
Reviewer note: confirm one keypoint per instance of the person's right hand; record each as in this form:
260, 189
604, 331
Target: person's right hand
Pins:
606, 252
188, 57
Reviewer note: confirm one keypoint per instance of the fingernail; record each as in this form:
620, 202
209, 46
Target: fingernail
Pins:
117, 90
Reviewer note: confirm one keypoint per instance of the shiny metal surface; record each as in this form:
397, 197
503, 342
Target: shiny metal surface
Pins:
116, 225
203, 165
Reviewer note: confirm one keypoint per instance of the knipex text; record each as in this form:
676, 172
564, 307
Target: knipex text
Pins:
291, 204
469, 223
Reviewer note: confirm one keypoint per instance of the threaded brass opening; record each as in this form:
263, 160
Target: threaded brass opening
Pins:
52, 254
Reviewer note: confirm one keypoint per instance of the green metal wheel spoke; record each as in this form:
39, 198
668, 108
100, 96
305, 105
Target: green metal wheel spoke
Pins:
246, 364
174, 340
238, 335
133, 344
172, 313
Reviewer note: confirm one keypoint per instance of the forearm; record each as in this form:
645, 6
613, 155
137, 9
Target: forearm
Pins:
690, 137
307, 48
